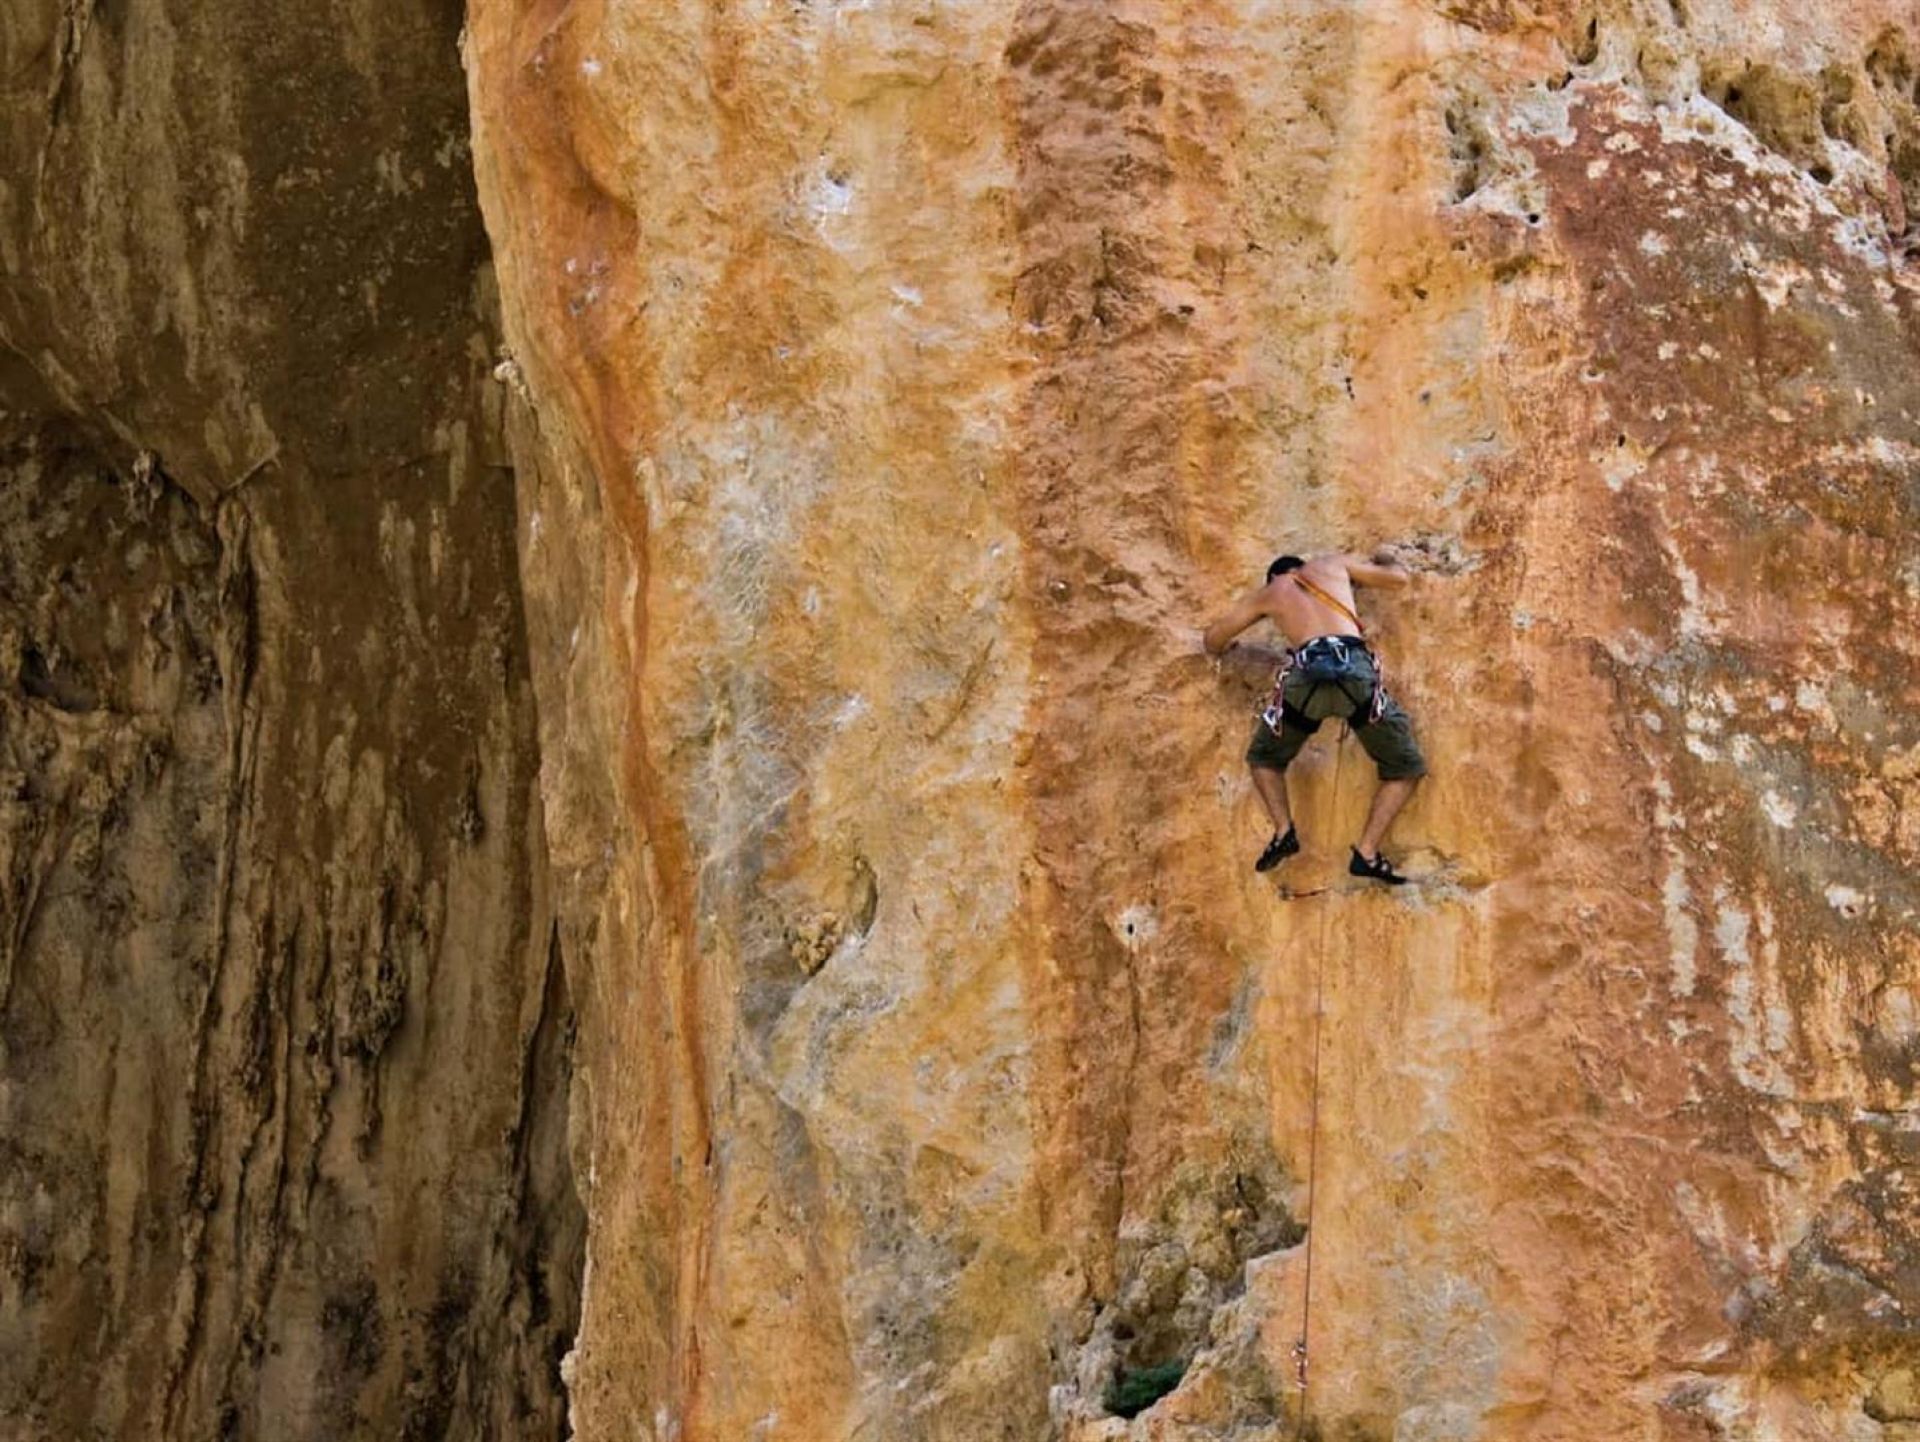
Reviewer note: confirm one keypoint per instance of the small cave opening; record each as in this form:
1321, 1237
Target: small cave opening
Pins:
1182, 1275
1133, 1391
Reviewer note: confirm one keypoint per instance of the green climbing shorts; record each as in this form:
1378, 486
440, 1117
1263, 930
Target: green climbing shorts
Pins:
1388, 741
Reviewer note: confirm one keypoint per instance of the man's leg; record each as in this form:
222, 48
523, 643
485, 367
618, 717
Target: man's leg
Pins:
1268, 756
1387, 802
1272, 786
1389, 741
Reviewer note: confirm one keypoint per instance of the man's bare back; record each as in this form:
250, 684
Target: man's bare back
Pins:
1296, 610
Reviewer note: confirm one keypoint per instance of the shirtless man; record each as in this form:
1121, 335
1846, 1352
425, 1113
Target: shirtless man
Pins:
1329, 672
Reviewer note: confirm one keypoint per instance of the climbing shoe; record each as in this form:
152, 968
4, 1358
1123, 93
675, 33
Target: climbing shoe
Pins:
1278, 850
1378, 869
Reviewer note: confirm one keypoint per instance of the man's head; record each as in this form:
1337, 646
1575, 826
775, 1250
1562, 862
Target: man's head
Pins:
1284, 564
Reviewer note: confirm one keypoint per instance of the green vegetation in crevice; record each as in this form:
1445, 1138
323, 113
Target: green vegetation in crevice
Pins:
1133, 1391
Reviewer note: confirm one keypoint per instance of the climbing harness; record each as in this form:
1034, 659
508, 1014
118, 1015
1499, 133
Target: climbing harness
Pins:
1372, 706
1313, 1139
1341, 662
1336, 661
1346, 664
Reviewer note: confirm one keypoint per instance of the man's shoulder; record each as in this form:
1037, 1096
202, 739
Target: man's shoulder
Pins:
1333, 563
1271, 591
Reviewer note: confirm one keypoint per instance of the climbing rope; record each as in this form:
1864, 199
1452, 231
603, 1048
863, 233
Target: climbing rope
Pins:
1313, 1123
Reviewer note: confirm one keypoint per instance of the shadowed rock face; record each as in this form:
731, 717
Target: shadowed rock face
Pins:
901, 385
284, 1034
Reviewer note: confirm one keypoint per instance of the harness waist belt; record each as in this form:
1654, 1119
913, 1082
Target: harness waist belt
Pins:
1359, 641
1319, 654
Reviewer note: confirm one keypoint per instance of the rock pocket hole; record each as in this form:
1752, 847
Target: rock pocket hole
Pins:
1840, 118
1905, 164
1783, 111
1889, 67
1586, 49
1467, 147
58, 685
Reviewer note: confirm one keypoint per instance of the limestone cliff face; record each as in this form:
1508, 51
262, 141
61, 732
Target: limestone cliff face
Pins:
653, 855
897, 389
283, 1039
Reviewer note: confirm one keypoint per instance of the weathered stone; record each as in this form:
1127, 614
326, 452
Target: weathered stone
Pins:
1895, 1396
904, 384
283, 1029
842, 1007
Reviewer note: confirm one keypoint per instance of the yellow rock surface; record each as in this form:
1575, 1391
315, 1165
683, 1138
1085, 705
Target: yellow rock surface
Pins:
900, 387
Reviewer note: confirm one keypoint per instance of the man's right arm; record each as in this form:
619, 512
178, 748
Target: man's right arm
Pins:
1242, 614
1382, 570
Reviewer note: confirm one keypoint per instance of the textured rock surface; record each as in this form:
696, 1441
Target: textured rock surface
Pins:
283, 1041
899, 384
785, 934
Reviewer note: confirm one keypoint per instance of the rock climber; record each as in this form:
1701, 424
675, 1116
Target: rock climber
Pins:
1329, 672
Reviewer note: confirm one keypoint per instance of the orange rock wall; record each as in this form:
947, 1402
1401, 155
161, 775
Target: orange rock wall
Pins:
899, 387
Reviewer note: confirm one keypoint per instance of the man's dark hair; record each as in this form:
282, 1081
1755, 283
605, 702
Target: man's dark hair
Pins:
1283, 565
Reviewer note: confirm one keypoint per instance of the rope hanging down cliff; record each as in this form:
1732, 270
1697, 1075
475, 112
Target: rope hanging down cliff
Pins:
1313, 1135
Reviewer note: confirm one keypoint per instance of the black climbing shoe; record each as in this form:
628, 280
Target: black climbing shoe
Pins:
1278, 850
1378, 869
